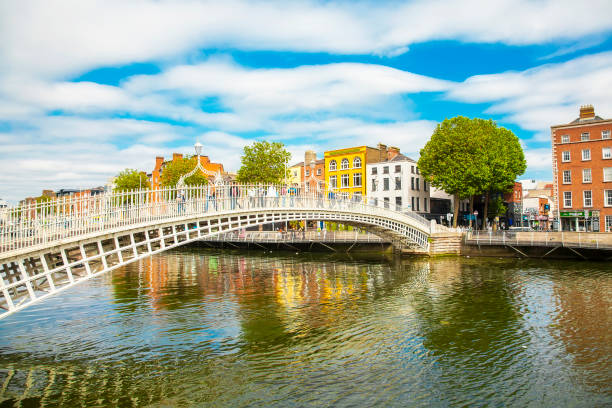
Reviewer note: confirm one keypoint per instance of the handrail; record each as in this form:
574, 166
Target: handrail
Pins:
576, 239
68, 217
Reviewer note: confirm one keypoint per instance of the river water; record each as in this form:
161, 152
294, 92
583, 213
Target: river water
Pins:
197, 327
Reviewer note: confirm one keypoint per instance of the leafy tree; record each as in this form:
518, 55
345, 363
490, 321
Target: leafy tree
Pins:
506, 161
131, 179
263, 162
454, 159
176, 168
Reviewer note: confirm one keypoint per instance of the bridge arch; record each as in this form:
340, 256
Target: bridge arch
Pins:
31, 273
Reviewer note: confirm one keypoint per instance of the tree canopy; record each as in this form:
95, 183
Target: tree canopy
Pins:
176, 168
131, 179
466, 156
263, 162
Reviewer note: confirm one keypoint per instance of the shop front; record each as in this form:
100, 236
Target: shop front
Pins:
580, 220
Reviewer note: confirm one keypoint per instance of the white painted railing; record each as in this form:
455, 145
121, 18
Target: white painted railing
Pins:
592, 240
293, 236
50, 222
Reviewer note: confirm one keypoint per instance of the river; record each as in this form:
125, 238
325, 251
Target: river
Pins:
194, 327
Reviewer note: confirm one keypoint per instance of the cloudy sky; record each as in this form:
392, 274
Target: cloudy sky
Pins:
88, 88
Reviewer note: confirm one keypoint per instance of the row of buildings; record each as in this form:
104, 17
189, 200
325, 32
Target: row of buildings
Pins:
582, 172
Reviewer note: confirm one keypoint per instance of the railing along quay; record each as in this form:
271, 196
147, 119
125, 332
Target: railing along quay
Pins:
325, 236
52, 222
585, 240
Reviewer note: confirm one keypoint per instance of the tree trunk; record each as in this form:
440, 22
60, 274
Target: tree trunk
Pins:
486, 209
456, 211
471, 210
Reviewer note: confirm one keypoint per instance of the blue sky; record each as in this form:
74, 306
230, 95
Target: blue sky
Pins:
88, 88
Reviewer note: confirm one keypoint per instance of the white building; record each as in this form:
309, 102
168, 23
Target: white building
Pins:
397, 184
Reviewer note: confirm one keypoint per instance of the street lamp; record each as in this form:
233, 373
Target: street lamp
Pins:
198, 149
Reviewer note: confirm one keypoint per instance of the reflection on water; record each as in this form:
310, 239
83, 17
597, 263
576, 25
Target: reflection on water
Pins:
193, 327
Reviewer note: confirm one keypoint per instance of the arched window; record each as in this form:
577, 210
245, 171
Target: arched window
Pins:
356, 163
344, 164
332, 165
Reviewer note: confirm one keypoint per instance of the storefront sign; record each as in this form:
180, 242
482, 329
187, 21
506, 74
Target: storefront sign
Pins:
589, 214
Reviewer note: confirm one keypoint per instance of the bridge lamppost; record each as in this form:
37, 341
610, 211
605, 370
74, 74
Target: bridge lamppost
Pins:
198, 149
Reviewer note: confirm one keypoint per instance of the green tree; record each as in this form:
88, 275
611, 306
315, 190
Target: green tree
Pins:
176, 168
506, 162
263, 162
454, 159
131, 179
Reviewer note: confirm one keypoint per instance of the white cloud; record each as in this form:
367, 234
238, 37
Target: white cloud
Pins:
547, 95
65, 37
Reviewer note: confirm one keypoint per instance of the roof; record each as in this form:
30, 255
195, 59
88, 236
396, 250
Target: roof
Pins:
399, 158
593, 119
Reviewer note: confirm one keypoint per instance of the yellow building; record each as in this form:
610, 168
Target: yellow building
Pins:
295, 174
345, 169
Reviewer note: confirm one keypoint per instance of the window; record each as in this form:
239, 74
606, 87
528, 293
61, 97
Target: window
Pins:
586, 176
386, 202
412, 183
417, 170
386, 170
416, 183
585, 136
333, 181
398, 183
412, 202
321, 186
567, 199
424, 186
586, 154
412, 169
374, 170
565, 156
332, 165
587, 198
418, 206
398, 203
319, 172
307, 173
607, 173
564, 138
374, 185
567, 177
356, 163
307, 187
425, 204
344, 180
608, 223
344, 164
386, 184
607, 198
605, 134
606, 153
398, 168
357, 180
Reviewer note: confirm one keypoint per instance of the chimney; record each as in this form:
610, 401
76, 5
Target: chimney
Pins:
159, 160
382, 148
587, 112
392, 152
309, 156
176, 156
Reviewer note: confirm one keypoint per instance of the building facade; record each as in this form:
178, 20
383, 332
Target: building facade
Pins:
582, 172
396, 183
345, 169
160, 163
313, 173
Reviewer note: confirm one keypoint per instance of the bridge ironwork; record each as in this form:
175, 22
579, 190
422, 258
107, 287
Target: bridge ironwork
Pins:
48, 247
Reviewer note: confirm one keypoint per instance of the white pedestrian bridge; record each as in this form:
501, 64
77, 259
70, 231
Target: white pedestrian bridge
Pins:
51, 246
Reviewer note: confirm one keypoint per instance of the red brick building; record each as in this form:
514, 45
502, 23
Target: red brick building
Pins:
582, 172
313, 173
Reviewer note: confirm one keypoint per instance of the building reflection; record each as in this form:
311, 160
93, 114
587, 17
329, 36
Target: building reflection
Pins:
583, 323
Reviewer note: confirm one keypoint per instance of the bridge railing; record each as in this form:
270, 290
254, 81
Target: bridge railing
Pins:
65, 217
592, 240
292, 236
